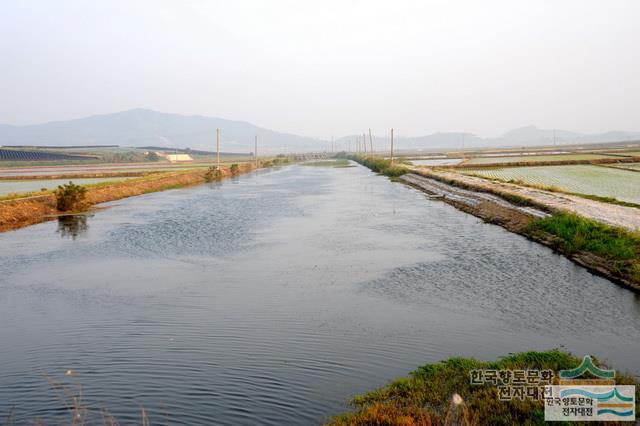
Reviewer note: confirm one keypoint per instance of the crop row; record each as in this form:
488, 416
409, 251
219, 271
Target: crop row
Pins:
621, 184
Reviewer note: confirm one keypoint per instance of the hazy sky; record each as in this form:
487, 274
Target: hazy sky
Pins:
322, 68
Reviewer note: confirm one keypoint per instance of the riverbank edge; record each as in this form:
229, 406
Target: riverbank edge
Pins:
511, 219
441, 393
500, 215
22, 212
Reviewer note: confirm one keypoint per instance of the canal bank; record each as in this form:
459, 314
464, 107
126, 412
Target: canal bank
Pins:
21, 212
524, 210
602, 237
277, 295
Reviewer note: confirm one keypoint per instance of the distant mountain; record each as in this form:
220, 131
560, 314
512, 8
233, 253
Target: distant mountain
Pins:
521, 137
533, 134
141, 127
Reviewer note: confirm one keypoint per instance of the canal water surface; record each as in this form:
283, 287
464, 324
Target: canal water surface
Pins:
273, 297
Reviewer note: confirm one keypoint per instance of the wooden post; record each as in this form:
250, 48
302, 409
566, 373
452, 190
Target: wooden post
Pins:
392, 147
370, 141
255, 151
218, 148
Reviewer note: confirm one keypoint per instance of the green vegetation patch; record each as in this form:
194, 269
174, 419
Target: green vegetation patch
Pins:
382, 165
425, 396
580, 234
341, 162
70, 196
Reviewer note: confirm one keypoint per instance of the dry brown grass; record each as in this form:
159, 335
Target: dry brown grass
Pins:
20, 212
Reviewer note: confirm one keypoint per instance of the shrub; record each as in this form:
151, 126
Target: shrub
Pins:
212, 174
381, 165
69, 196
234, 169
152, 156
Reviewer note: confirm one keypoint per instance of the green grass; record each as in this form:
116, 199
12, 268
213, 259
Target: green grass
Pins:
575, 234
341, 162
579, 234
589, 180
424, 397
381, 165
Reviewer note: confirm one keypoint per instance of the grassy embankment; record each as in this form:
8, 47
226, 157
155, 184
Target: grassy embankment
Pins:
572, 234
380, 165
339, 163
28, 210
426, 396
607, 250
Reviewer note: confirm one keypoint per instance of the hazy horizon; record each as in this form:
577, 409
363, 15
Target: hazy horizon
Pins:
327, 68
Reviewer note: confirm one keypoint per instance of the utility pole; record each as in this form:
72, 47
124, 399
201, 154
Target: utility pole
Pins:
364, 141
370, 141
332, 145
218, 148
349, 145
255, 150
392, 147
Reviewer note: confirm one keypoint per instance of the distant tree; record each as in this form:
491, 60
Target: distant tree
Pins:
152, 156
212, 174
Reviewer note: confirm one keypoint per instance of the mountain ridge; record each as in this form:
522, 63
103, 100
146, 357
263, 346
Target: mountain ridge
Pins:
140, 127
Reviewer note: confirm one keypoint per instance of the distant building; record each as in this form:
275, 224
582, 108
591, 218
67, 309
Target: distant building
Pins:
175, 158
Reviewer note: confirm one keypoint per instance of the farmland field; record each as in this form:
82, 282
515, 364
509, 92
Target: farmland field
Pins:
621, 184
437, 162
627, 166
20, 186
535, 158
631, 153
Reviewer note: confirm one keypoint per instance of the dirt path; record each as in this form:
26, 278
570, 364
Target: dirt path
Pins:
610, 214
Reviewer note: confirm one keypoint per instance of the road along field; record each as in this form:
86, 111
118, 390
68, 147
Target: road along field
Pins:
623, 185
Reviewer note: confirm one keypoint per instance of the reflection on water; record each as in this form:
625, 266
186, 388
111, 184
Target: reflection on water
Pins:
273, 297
73, 225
